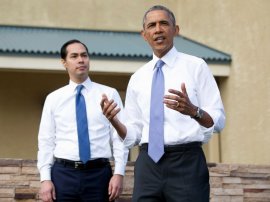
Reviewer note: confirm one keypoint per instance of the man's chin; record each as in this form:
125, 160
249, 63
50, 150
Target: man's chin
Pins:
161, 51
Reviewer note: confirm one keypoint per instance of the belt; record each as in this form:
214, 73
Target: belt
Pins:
175, 148
96, 163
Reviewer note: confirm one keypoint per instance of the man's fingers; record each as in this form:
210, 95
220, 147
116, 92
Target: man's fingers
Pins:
175, 92
183, 88
113, 113
53, 194
104, 99
110, 189
170, 100
109, 107
110, 110
178, 94
46, 197
114, 194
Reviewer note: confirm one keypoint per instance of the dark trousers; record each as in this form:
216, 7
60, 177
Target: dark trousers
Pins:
180, 176
81, 185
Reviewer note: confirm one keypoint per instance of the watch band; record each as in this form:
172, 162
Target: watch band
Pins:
199, 114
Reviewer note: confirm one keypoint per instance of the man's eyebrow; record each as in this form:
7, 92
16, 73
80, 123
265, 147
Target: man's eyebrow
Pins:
160, 21
164, 21
73, 53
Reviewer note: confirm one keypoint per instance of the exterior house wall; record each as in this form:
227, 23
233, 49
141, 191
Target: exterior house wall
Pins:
241, 28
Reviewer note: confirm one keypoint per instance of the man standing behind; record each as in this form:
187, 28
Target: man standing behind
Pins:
76, 140
172, 106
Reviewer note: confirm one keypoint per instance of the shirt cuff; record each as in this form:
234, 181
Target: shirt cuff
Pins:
218, 118
130, 139
119, 169
208, 132
45, 174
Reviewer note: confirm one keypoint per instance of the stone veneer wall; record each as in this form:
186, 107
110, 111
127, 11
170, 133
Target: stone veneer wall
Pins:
19, 181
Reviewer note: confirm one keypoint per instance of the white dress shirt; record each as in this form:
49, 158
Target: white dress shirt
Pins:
58, 129
178, 128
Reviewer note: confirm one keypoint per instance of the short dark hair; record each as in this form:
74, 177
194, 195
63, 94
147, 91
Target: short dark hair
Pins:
63, 51
163, 8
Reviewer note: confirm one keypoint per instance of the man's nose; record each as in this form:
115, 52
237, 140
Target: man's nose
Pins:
80, 58
158, 28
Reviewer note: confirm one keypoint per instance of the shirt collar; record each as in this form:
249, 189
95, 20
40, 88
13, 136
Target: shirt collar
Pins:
168, 59
87, 84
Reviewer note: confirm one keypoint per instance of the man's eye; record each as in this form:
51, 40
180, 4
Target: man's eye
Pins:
150, 26
164, 23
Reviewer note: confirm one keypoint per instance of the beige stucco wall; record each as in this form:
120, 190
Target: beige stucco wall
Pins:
92, 14
241, 28
238, 27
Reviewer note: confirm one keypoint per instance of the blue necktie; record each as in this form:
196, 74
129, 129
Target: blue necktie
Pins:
82, 126
156, 128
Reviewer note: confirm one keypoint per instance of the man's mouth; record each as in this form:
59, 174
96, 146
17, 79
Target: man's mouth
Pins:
159, 39
82, 67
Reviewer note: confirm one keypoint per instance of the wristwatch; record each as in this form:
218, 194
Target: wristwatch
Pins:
199, 114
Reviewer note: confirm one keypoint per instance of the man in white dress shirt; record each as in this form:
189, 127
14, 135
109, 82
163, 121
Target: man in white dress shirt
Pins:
192, 111
64, 177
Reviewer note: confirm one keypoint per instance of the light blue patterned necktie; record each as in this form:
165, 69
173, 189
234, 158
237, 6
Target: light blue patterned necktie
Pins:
156, 128
82, 126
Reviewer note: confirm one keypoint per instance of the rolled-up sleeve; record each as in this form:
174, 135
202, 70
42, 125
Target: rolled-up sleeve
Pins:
209, 100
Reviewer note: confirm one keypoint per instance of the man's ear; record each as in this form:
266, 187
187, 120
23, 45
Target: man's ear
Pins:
143, 35
64, 63
177, 30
